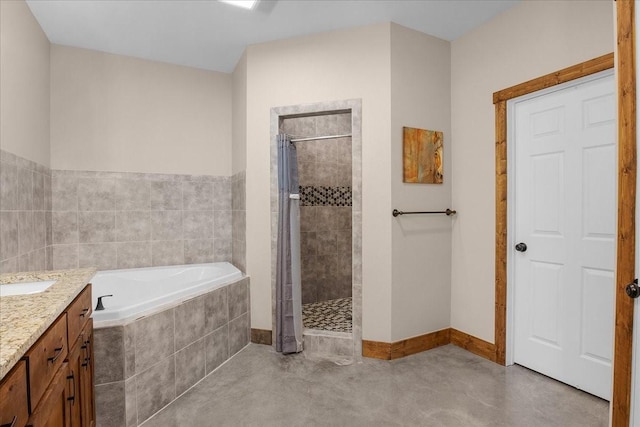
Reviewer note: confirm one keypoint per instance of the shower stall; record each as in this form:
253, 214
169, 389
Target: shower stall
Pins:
323, 145
327, 145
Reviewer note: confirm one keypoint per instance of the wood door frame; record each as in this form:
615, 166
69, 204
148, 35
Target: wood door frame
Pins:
500, 99
626, 257
624, 62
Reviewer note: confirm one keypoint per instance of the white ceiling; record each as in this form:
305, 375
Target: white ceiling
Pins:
212, 35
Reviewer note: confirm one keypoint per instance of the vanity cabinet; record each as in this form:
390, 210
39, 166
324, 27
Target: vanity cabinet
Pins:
53, 382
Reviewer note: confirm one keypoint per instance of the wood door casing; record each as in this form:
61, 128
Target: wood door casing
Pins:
625, 64
625, 270
627, 164
500, 99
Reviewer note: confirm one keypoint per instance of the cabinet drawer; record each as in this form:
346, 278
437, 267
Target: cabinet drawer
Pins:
14, 409
45, 358
78, 313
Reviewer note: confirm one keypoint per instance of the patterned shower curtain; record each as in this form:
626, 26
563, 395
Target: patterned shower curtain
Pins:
288, 278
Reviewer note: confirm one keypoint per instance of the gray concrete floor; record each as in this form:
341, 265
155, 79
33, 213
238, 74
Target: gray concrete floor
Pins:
446, 386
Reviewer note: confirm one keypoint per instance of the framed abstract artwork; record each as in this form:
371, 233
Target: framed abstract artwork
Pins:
421, 156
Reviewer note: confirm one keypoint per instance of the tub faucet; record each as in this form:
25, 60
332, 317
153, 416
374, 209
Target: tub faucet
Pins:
99, 306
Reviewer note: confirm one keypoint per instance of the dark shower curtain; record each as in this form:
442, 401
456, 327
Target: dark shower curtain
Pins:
288, 278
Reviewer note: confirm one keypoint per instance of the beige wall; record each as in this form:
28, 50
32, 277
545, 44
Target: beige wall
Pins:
116, 113
532, 39
239, 108
332, 66
85, 110
24, 79
421, 245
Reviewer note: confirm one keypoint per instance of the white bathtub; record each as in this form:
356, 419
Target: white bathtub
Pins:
164, 327
143, 291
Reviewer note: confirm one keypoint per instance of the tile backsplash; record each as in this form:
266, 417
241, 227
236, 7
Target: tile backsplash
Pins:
56, 219
25, 214
115, 220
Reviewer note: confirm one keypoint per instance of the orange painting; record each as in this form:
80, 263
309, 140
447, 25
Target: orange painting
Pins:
422, 156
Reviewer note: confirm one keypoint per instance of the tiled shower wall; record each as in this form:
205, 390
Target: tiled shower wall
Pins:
238, 216
25, 214
324, 168
115, 220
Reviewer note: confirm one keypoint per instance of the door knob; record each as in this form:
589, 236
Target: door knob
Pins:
521, 247
633, 290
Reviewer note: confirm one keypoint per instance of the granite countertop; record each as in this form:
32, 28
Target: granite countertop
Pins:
24, 318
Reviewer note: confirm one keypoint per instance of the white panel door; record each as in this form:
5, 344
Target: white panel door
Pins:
565, 213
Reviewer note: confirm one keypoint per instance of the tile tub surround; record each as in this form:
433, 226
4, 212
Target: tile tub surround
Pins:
25, 214
23, 318
144, 365
113, 220
239, 220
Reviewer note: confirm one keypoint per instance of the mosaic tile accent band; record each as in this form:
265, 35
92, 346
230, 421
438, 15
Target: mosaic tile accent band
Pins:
325, 196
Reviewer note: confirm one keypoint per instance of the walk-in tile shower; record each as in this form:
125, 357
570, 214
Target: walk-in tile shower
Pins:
330, 190
324, 168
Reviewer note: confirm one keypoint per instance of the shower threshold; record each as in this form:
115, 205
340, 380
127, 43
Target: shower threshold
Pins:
333, 315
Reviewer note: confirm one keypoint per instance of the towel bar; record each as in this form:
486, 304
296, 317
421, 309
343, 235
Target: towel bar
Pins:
448, 212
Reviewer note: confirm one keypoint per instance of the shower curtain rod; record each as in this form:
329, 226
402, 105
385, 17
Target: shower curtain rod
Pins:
313, 138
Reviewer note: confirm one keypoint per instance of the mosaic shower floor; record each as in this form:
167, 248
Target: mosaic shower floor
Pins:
333, 315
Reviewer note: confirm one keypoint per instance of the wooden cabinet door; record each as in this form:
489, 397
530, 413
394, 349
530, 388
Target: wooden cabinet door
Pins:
14, 400
81, 400
75, 361
86, 373
53, 409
